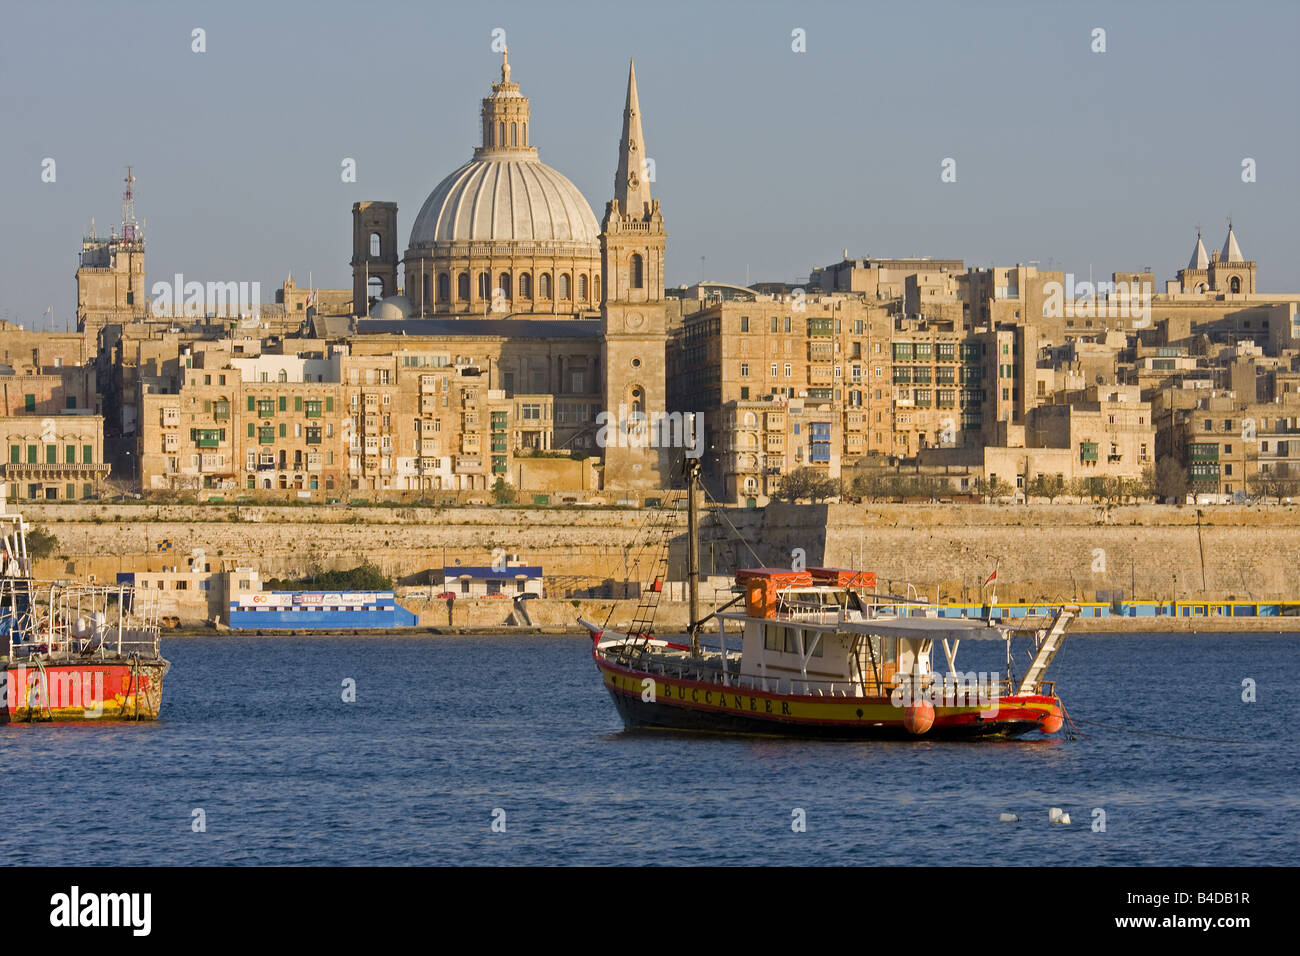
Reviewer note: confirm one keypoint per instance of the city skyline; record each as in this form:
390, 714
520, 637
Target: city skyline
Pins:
1081, 174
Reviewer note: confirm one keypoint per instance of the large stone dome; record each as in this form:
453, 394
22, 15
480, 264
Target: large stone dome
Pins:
505, 233
510, 196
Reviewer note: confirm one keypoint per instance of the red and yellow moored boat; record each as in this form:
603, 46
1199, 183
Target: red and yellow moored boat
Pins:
812, 656
72, 651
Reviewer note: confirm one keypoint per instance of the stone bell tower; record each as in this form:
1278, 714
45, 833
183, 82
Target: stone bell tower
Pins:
632, 241
374, 253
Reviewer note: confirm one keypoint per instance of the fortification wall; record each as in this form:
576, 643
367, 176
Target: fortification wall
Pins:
1053, 552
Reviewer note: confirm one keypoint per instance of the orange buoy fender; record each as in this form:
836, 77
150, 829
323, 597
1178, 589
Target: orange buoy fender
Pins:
919, 717
1051, 722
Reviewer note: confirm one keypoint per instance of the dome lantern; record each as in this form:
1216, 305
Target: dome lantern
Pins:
505, 115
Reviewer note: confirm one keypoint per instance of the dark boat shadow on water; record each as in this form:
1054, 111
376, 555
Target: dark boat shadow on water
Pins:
784, 740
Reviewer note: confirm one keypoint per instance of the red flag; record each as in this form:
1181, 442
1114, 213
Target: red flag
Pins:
991, 577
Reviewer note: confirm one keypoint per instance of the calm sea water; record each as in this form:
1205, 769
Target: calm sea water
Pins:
446, 730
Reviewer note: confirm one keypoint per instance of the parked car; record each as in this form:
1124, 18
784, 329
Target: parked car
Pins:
447, 596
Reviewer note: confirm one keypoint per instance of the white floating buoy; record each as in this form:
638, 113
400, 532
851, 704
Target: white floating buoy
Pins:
1054, 815
1007, 818
1064, 820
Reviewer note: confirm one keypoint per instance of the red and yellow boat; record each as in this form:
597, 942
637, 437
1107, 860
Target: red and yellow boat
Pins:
816, 653
73, 651
813, 658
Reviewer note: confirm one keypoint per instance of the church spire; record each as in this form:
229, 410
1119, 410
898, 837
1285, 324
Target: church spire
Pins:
1199, 258
631, 183
1231, 251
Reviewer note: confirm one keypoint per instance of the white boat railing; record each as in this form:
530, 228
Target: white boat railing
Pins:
939, 688
59, 621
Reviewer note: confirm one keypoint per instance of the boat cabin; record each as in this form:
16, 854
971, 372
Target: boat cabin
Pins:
811, 632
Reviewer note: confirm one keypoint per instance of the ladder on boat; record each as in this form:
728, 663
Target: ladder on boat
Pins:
641, 628
1048, 649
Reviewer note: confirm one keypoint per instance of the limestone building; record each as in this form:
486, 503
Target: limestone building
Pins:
51, 430
110, 276
506, 258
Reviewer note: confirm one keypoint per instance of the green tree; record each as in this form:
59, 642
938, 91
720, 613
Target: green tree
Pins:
40, 543
1050, 487
992, 489
806, 483
1131, 489
1170, 480
364, 577
503, 493
1277, 485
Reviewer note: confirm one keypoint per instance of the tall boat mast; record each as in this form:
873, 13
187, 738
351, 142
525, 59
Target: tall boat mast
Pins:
692, 468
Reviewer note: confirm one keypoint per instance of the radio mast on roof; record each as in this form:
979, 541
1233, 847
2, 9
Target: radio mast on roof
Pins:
131, 231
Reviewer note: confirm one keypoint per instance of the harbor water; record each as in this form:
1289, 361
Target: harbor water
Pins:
507, 750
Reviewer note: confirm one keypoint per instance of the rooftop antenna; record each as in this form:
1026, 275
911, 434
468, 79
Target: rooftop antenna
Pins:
130, 228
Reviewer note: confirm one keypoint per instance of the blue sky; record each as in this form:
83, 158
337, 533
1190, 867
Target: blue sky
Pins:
766, 159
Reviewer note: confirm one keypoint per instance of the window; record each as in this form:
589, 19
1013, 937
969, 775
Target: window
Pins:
636, 277
787, 370
544, 285
819, 448
564, 286
29, 403
525, 286
744, 323
266, 435
744, 370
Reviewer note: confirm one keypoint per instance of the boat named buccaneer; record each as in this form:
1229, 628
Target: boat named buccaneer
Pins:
816, 652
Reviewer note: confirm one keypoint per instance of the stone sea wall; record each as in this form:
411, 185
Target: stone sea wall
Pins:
1051, 552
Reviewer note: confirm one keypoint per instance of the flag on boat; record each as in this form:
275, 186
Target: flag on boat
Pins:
991, 577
